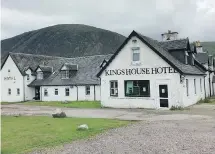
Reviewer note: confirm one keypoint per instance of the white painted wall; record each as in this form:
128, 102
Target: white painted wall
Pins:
29, 91
74, 96
149, 59
16, 81
192, 98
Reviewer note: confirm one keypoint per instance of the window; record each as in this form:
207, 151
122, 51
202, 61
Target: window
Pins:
18, 91
134, 41
136, 54
87, 90
39, 75
187, 85
8, 70
9, 91
65, 74
195, 85
114, 88
67, 91
137, 88
45, 92
201, 85
56, 91
28, 77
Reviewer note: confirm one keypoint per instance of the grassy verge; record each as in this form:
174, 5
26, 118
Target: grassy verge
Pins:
207, 101
24, 134
75, 104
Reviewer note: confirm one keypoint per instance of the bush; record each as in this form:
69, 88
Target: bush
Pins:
176, 108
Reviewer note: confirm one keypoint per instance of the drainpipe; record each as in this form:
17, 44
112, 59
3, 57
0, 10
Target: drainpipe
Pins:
204, 87
24, 88
209, 82
94, 93
77, 92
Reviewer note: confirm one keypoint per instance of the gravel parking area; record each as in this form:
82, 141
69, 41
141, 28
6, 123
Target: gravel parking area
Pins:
193, 135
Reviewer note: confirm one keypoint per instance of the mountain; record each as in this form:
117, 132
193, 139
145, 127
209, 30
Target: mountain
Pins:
209, 47
66, 40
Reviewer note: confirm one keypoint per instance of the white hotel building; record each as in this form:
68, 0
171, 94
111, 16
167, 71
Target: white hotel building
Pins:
142, 73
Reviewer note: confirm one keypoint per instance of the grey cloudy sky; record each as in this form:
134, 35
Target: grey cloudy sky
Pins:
191, 18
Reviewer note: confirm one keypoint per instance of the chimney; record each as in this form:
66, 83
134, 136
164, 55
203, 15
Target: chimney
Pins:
198, 47
169, 36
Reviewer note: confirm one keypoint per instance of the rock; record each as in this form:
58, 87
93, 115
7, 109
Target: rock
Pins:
83, 127
59, 114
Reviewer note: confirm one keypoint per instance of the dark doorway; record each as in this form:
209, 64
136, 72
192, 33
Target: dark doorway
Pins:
37, 93
163, 93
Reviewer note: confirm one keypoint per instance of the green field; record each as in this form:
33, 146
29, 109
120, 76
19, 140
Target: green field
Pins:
24, 134
74, 104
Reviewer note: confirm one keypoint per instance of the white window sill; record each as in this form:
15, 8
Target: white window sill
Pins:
136, 63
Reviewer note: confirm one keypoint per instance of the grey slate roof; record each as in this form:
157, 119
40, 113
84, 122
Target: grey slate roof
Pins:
71, 66
186, 69
88, 67
45, 68
175, 44
202, 57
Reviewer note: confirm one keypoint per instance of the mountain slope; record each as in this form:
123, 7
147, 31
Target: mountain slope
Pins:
209, 47
70, 40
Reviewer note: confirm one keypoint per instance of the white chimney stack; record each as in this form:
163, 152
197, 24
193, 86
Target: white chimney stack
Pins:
169, 36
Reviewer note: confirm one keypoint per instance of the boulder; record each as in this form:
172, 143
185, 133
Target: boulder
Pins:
83, 127
59, 114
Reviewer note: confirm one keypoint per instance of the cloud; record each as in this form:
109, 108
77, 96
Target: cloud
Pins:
191, 18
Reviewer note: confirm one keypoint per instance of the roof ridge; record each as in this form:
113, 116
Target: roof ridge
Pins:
56, 56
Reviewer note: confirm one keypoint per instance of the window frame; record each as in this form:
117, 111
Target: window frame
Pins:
40, 75
46, 92
9, 91
56, 90
67, 92
137, 85
65, 74
87, 90
135, 50
18, 91
115, 88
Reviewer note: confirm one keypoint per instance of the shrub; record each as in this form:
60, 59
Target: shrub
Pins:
176, 107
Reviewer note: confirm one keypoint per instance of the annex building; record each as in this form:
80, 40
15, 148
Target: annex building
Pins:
142, 73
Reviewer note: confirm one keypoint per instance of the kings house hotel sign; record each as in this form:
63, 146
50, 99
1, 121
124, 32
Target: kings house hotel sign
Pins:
134, 71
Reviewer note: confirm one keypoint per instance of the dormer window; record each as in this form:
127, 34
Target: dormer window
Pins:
65, 74
39, 75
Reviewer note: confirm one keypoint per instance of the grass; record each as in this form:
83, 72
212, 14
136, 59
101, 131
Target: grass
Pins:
74, 104
208, 100
26, 133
